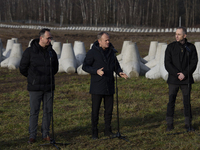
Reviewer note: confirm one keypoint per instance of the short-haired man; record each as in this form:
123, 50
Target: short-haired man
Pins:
101, 63
39, 64
180, 62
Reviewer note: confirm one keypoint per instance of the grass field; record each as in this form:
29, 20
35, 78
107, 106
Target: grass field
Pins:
142, 104
142, 110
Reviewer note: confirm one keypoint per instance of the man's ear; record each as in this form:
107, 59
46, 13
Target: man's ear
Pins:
185, 35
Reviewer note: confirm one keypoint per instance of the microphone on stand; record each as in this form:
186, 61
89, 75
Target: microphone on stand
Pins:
187, 48
50, 54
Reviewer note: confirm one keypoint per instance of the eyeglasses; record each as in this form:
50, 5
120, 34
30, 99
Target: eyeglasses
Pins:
49, 38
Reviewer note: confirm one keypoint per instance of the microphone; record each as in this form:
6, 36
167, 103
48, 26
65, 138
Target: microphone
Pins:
115, 51
50, 54
187, 48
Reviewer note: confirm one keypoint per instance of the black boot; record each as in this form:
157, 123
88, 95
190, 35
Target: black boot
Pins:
94, 133
170, 125
188, 124
108, 132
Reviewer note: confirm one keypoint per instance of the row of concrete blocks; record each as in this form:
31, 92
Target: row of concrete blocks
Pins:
108, 29
71, 58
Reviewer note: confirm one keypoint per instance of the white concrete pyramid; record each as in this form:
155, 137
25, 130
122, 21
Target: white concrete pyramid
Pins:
58, 48
155, 61
196, 74
15, 56
67, 59
9, 46
80, 52
152, 51
131, 63
159, 70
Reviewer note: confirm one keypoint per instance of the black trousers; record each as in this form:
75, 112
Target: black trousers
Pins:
173, 90
108, 109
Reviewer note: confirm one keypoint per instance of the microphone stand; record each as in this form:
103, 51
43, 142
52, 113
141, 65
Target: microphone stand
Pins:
52, 141
189, 87
118, 134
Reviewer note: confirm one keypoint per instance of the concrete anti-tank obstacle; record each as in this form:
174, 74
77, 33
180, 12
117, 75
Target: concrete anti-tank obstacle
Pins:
152, 51
159, 70
124, 48
52, 41
80, 52
155, 61
131, 65
60, 68
138, 54
163, 71
196, 74
80, 71
4, 63
15, 39
68, 60
58, 48
143, 67
9, 46
15, 56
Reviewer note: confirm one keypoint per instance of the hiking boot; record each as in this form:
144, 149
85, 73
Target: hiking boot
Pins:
95, 134
170, 127
189, 128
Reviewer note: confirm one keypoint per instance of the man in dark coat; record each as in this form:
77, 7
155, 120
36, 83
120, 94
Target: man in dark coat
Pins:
39, 64
101, 63
180, 62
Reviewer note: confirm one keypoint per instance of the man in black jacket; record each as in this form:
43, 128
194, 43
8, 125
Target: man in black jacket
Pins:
101, 63
39, 64
180, 62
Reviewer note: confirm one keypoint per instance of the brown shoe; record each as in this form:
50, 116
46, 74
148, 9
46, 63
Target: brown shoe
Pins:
47, 139
31, 140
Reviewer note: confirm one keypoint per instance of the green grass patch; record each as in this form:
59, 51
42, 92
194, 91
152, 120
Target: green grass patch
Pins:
142, 110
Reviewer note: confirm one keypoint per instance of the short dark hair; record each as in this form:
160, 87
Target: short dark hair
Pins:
184, 29
99, 35
41, 33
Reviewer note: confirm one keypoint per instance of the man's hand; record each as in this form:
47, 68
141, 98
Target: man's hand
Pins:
100, 72
123, 75
180, 76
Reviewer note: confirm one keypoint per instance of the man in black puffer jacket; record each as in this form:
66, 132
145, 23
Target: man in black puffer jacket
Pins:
180, 62
39, 64
101, 63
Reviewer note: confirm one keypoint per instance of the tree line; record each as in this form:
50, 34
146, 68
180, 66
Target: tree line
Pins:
125, 13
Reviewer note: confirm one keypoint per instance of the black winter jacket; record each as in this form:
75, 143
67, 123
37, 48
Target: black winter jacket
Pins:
35, 65
94, 60
176, 61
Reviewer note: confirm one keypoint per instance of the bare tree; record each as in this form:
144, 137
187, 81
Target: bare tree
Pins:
130, 2
9, 11
83, 11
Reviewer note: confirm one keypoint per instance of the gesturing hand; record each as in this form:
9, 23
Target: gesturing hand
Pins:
100, 72
123, 75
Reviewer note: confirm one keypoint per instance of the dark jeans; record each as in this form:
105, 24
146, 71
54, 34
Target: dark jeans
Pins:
35, 100
108, 108
173, 90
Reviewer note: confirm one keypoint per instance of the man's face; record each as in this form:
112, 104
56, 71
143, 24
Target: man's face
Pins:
179, 35
45, 39
104, 41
